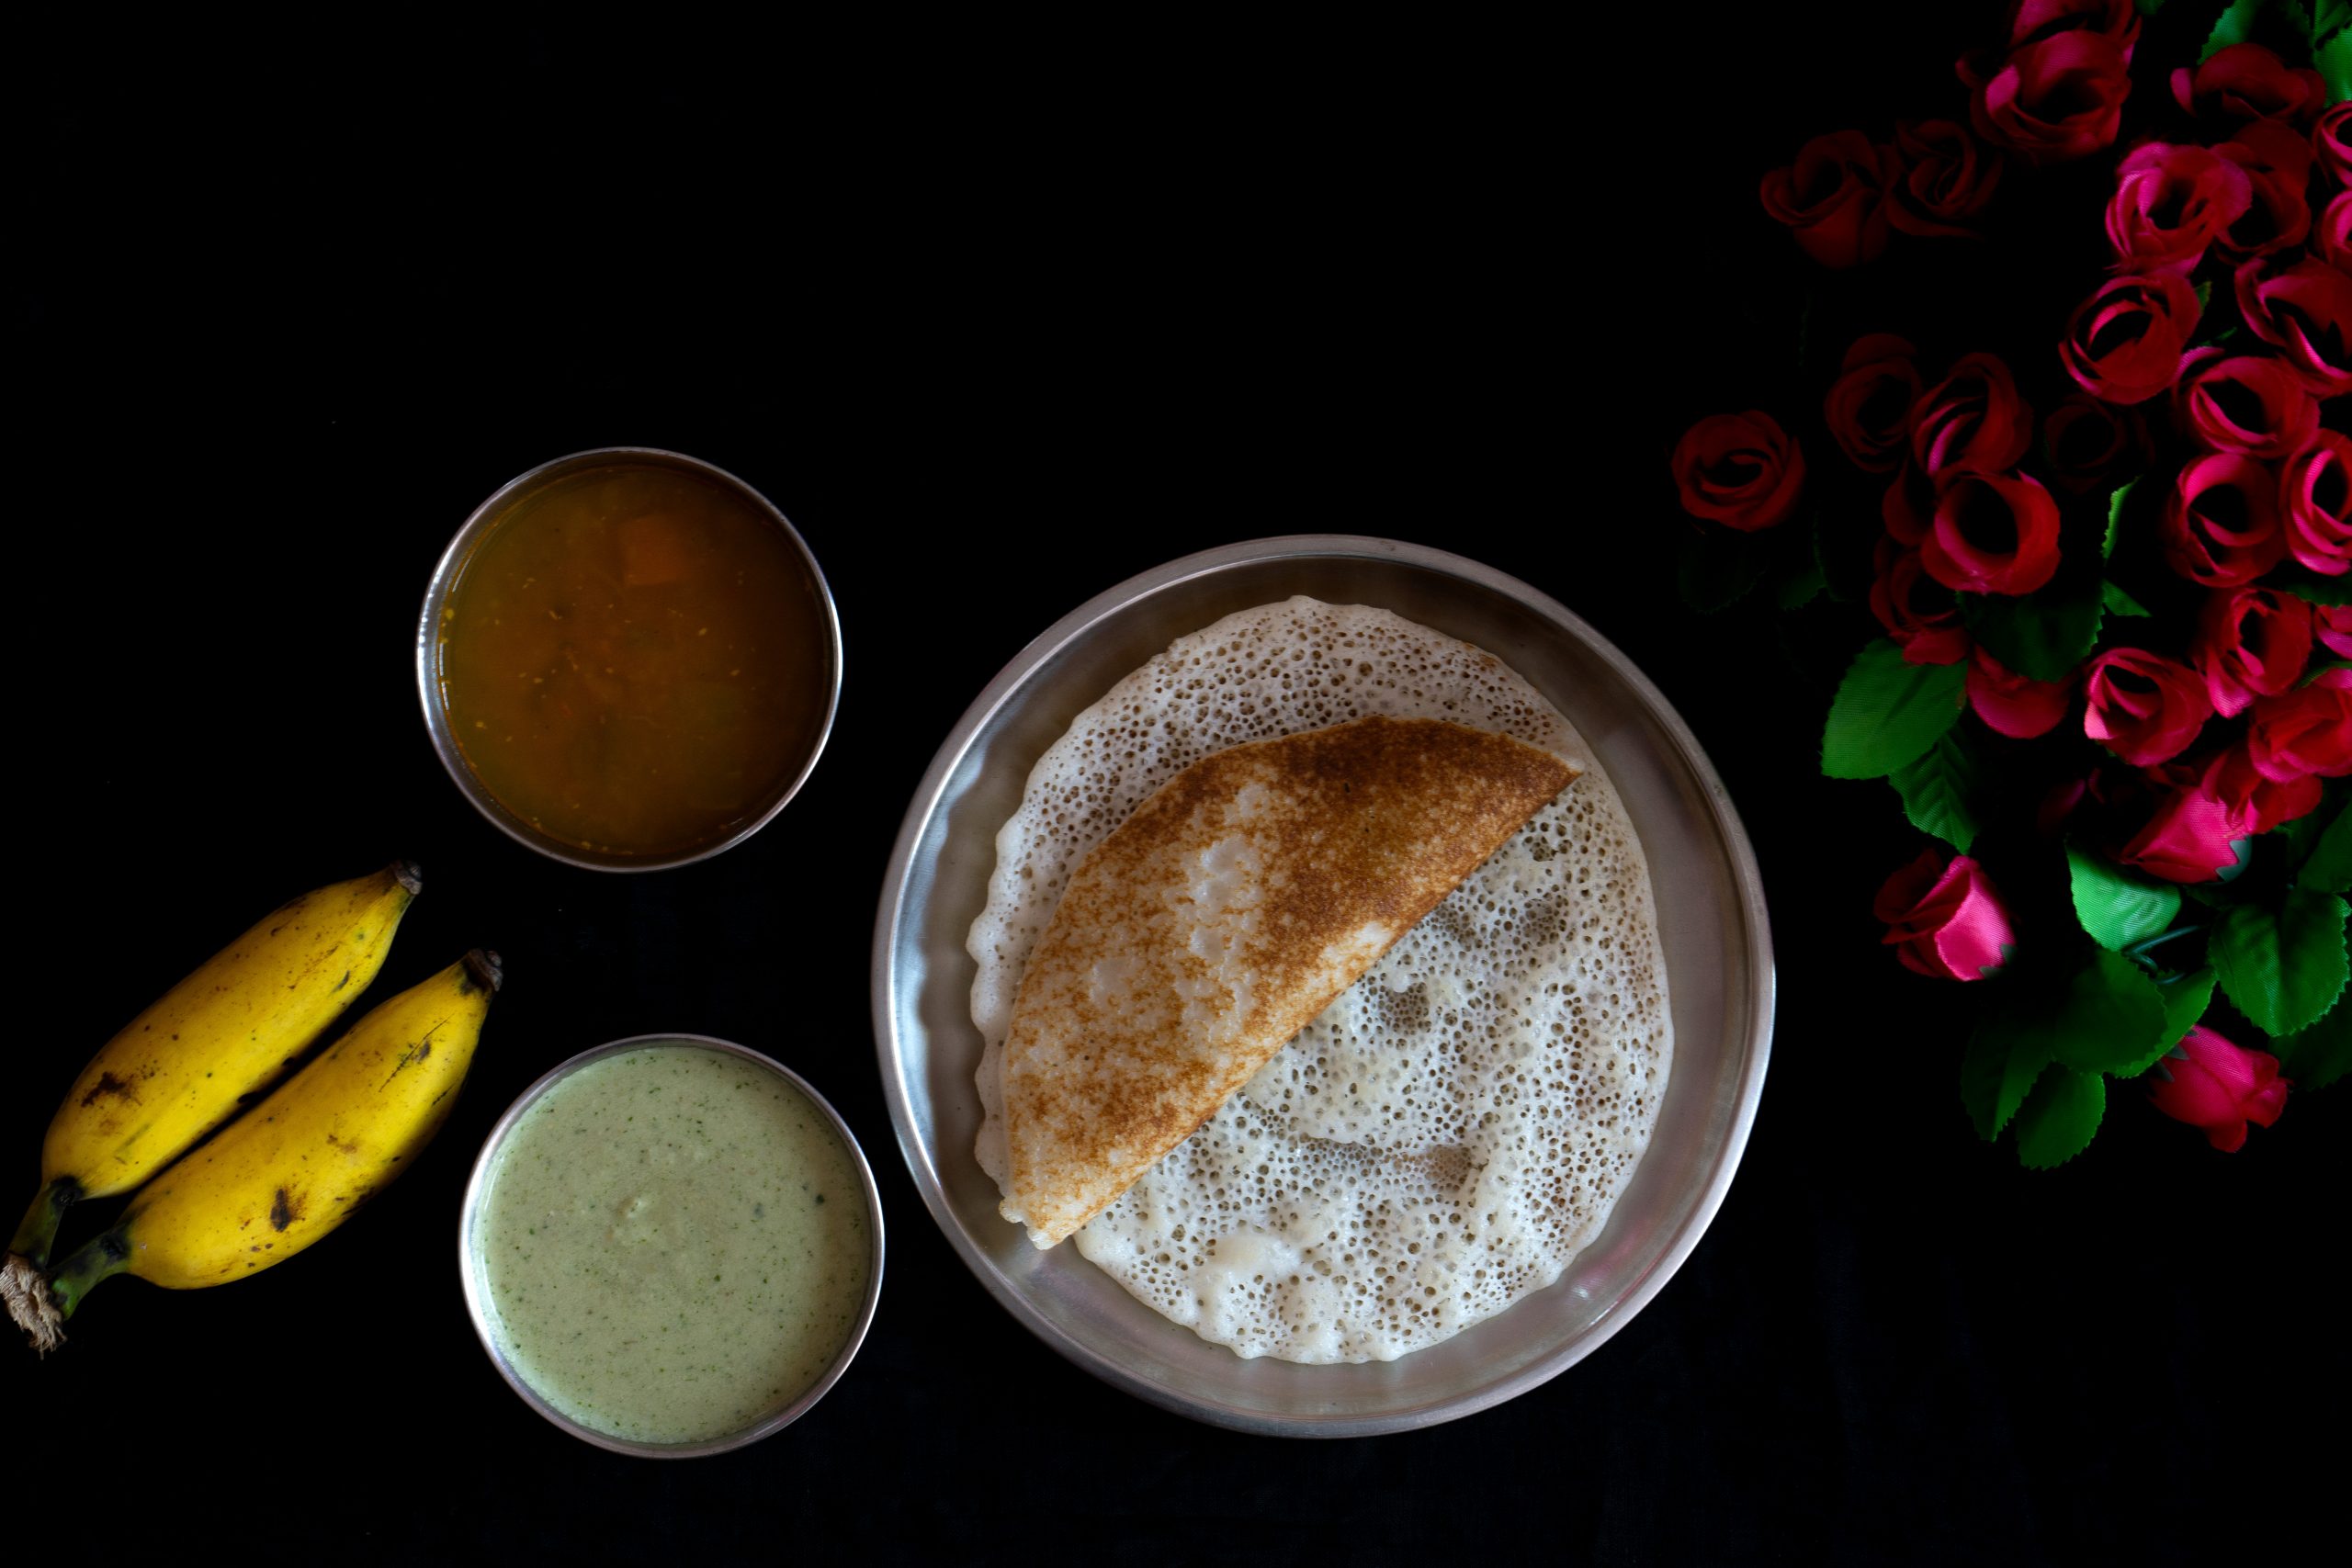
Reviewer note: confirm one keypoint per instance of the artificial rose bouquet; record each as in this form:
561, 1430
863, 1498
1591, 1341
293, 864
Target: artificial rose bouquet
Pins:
2115, 673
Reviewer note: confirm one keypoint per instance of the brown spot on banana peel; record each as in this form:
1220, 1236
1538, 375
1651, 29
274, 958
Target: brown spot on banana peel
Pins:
284, 1209
108, 1084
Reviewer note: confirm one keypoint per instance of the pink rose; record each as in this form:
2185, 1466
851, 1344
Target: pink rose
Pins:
2278, 163
1917, 611
2086, 441
2332, 139
1832, 199
2191, 835
2333, 236
2143, 706
1991, 534
2305, 731
2218, 1087
2170, 203
2220, 523
2256, 804
2250, 642
1868, 408
2315, 492
2054, 98
2331, 624
2124, 342
1740, 470
1972, 419
2305, 309
2033, 20
2246, 81
2250, 403
2016, 706
1946, 920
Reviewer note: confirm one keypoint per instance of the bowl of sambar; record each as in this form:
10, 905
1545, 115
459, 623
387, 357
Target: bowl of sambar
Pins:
628, 659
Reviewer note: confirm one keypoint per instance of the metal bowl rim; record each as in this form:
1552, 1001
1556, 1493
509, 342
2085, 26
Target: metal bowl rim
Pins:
1041, 649
469, 1211
436, 593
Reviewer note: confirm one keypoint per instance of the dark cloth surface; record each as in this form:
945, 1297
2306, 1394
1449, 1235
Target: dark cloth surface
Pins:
999, 321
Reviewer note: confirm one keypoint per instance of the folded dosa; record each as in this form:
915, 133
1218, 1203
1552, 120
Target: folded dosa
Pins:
1218, 919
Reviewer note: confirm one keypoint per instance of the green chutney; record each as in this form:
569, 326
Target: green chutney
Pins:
674, 1245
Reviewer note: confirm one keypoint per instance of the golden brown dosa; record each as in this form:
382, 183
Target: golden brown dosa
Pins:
1220, 917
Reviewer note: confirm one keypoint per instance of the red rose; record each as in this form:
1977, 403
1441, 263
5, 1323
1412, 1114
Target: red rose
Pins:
1740, 469
2333, 237
2331, 624
2246, 82
1947, 178
1908, 508
1834, 197
2259, 804
1869, 406
2306, 309
2250, 642
2124, 342
1946, 920
2221, 523
1972, 419
2085, 441
2143, 706
1917, 611
2308, 731
2015, 704
2250, 403
2315, 492
2190, 836
2055, 98
2119, 20
2218, 1087
2278, 163
2332, 141
2170, 203
1991, 534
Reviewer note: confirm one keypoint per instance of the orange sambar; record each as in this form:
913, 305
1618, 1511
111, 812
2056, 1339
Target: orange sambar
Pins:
636, 660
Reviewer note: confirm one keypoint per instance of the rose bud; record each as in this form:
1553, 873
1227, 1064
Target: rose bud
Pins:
2190, 836
2143, 706
2124, 342
1991, 534
2332, 141
2055, 98
1832, 199
2016, 706
2246, 81
1972, 419
2250, 403
2278, 163
1908, 507
2315, 493
2170, 203
2250, 642
2259, 804
2220, 523
1946, 920
2305, 309
2033, 20
2304, 732
1947, 178
2331, 624
1740, 469
2217, 1087
1867, 409
2332, 237
2084, 442
1917, 611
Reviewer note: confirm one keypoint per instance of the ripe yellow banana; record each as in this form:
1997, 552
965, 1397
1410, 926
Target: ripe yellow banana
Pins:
294, 1166
181, 1068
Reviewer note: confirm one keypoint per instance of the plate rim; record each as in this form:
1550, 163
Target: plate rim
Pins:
1761, 990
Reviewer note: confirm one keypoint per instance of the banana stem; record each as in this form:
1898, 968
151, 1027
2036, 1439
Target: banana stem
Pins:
32, 1238
52, 1301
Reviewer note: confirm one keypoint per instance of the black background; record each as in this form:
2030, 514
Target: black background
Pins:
999, 321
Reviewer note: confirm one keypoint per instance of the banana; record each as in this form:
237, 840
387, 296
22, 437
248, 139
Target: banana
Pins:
294, 1166
183, 1067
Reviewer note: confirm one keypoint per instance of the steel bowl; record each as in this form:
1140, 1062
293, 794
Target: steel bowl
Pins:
478, 526
477, 1288
1712, 925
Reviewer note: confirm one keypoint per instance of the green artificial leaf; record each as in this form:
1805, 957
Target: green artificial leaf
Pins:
2319, 1054
2117, 907
2334, 59
2204, 292
2186, 997
2109, 1016
2235, 25
2328, 867
2329, 15
2310, 586
2150, 8
1887, 712
1800, 585
1715, 567
1996, 1072
2115, 517
2282, 969
1938, 788
2060, 1118
2043, 636
2115, 601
